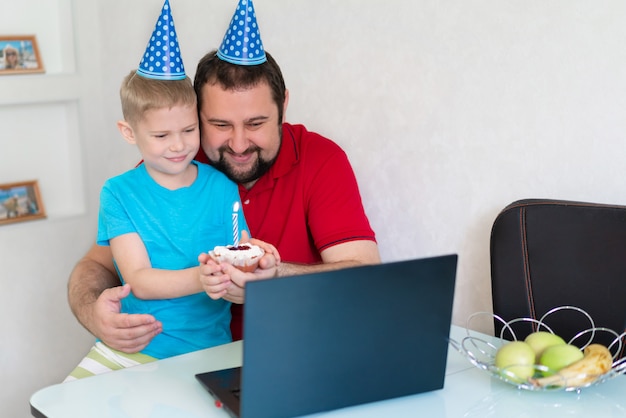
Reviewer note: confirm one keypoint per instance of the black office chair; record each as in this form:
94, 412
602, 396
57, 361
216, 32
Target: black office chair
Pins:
549, 253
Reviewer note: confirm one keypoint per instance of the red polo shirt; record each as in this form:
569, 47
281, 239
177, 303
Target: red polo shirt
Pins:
309, 200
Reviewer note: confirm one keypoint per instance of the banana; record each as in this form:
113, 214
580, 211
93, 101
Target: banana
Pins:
597, 361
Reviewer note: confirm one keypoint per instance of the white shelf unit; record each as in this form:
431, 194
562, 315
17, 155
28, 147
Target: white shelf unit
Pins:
39, 113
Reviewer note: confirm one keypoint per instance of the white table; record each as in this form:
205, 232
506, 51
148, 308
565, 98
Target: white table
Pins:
168, 388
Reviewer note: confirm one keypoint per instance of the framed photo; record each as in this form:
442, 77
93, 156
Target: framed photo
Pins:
20, 202
19, 54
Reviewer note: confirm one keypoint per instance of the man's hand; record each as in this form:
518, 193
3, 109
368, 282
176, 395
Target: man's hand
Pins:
129, 333
226, 281
94, 294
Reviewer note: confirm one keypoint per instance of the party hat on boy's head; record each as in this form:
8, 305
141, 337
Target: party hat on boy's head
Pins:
242, 42
162, 59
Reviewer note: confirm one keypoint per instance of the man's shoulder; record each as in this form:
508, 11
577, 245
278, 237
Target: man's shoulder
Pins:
310, 142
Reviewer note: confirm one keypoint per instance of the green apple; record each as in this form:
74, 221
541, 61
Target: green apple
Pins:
541, 340
558, 356
516, 360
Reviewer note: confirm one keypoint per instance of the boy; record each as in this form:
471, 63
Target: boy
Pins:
158, 217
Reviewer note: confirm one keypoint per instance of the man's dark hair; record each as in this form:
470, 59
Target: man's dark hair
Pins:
213, 70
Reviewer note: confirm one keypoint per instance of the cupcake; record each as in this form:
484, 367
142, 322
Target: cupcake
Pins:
243, 256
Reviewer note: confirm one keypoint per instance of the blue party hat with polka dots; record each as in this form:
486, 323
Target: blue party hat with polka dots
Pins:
162, 60
242, 43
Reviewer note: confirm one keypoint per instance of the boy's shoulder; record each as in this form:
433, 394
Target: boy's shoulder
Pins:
212, 177
131, 176
208, 170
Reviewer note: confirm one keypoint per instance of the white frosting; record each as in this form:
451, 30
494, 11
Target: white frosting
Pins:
239, 256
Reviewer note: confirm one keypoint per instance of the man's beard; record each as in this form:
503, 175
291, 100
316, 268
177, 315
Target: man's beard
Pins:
260, 167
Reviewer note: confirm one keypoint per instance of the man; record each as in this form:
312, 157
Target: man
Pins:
298, 192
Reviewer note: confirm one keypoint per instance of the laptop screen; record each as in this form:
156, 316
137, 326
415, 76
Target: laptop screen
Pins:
328, 340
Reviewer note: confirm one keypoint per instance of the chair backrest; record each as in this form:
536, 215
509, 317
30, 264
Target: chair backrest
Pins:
548, 253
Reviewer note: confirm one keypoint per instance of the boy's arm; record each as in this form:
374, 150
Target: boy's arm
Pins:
147, 282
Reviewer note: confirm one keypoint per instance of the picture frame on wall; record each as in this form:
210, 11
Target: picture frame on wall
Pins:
20, 201
19, 54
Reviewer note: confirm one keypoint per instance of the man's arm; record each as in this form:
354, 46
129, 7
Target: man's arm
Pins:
92, 274
94, 294
349, 254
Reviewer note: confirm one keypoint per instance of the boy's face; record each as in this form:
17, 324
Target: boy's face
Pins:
241, 133
168, 139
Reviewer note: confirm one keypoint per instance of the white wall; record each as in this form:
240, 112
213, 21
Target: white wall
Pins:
51, 130
448, 109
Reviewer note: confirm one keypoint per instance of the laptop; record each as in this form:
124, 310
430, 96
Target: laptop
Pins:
324, 341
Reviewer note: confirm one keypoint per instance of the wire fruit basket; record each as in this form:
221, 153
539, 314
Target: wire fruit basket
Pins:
481, 353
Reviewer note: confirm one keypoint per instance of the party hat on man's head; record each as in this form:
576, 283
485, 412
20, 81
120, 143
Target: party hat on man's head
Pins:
162, 59
242, 43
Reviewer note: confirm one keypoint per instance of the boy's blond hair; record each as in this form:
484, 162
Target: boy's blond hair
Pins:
139, 94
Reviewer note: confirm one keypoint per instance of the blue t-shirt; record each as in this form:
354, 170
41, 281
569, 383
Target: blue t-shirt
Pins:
175, 226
